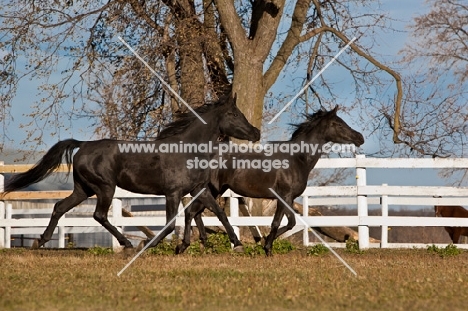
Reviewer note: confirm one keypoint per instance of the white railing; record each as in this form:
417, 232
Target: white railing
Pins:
360, 195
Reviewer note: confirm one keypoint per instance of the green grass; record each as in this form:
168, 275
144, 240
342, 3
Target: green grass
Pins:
79, 280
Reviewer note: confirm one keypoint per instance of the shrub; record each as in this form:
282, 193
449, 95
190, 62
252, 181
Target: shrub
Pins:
254, 250
317, 250
98, 250
281, 246
218, 243
449, 250
195, 248
165, 247
352, 246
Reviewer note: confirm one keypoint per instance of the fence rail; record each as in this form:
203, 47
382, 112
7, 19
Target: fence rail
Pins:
360, 195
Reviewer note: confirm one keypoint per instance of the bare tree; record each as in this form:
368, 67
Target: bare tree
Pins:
202, 48
435, 113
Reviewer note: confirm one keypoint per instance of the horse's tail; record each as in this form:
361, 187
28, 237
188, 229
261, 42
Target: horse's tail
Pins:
46, 166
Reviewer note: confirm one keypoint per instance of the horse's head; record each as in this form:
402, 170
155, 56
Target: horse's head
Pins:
233, 123
334, 129
221, 119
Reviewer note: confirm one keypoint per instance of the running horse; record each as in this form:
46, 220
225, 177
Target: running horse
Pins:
287, 181
453, 211
99, 166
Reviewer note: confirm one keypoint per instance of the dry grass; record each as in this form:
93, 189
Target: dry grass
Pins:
78, 280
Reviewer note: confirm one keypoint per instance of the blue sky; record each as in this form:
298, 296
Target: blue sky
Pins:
402, 11
389, 44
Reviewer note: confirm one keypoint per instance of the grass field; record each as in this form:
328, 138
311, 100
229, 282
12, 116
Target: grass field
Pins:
80, 280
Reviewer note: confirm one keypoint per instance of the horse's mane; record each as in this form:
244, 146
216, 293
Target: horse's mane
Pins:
306, 126
184, 120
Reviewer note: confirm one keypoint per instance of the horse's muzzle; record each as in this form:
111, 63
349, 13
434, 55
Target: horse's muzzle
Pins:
256, 135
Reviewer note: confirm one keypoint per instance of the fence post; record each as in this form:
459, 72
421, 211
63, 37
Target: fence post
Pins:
234, 212
363, 230
116, 214
2, 178
305, 213
179, 228
384, 235
8, 215
2, 209
2, 230
61, 235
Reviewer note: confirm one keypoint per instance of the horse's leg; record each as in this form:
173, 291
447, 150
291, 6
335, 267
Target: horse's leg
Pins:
464, 231
275, 232
199, 222
274, 229
451, 232
192, 211
291, 222
172, 205
201, 230
61, 207
456, 235
104, 200
208, 201
201, 227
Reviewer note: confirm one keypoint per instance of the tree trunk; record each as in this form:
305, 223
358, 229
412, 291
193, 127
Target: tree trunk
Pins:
192, 78
248, 85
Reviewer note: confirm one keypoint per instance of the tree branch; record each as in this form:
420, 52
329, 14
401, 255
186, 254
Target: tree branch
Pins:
141, 12
266, 16
232, 24
396, 117
290, 43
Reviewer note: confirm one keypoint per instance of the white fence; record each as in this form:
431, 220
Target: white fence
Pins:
360, 195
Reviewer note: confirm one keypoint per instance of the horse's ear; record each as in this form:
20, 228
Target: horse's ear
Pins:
335, 110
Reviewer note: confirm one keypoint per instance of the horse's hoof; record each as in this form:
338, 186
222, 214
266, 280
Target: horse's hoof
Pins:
141, 245
238, 249
35, 244
181, 248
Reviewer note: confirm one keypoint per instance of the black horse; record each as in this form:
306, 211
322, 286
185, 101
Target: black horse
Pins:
99, 166
286, 174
